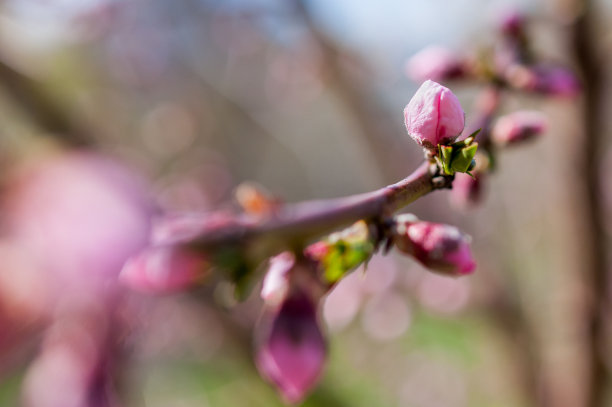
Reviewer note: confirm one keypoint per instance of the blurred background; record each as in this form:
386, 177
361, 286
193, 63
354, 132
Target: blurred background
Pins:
177, 102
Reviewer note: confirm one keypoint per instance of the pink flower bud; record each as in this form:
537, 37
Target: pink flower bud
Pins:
544, 79
442, 248
518, 126
291, 351
555, 81
434, 116
467, 190
512, 23
435, 63
164, 269
276, 282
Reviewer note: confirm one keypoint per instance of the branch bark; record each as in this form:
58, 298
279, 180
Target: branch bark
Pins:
294, 224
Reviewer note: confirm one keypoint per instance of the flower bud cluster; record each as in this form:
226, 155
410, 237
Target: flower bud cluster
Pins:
435, 120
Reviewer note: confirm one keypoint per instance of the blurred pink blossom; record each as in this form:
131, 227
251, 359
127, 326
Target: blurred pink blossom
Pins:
443, 294
434, 116
167, 265
512, 23
544, 79
467, 190
164, 269
518, 126
80, 216
436, 63
72, 368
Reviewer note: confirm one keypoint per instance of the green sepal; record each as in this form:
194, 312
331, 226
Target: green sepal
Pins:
459, 156
473, 135
462, 158
346, 250
446, 156
344, 256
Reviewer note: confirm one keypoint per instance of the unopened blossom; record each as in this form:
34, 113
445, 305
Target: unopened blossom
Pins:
544, 79
164, 269
512, 23
291, 349
518, 126
276, 282
555, 81
439, 247
467, 190
436, 63
434, 116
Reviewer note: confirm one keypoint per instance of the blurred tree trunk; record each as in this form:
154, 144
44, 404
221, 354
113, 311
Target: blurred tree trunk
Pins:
588, 162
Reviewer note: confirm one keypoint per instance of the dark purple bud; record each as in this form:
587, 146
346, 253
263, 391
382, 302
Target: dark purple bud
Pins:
512, 23
291, 349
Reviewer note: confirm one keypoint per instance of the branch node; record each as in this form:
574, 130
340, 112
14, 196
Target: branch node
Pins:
442, 182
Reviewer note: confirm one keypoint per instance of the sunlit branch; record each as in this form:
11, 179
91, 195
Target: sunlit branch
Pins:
295, 224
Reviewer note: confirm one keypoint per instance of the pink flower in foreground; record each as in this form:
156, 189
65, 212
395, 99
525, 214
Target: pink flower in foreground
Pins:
439, 247
164, 269
291, 352
435, 63
518, 126
81, 216
434, 116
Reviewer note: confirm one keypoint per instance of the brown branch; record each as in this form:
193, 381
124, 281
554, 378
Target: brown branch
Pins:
294, 224
41, 107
